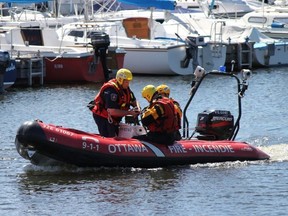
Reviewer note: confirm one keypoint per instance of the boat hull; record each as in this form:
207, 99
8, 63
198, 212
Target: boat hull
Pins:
37, 141
270, 54
168, 60
10, 75
157, 61
81, 68
73, 69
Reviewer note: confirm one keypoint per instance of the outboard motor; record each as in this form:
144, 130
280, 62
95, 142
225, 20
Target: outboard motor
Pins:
4, 63
192, 44
214, 125
100, 42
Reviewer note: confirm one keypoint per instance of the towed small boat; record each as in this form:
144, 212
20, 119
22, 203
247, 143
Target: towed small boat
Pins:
212, 141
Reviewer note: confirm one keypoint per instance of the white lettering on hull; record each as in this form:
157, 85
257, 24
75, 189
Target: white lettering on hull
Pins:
58, 66
114, 148
90, 143
61, 131
58, 130
214, 148
177, 149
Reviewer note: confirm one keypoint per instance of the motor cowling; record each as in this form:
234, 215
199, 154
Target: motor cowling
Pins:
100, 39
214, 125
100, 42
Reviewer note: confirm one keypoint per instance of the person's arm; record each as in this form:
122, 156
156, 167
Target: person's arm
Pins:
111, 98
152, 114
133, 102
121, 113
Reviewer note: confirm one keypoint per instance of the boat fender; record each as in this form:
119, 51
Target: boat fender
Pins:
139, 130
277, 25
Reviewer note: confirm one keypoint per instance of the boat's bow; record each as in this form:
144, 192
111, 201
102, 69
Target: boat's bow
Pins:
26, 135
259, 154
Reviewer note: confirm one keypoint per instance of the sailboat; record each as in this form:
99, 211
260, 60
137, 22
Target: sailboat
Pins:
150, 48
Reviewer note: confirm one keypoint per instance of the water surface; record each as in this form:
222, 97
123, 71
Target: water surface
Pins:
238, 188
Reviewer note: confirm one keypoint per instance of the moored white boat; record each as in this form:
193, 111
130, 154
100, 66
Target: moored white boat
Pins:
225, 8
270, 54
247, 46
270, 20
143, 55
13, 16
63, 64
149, 49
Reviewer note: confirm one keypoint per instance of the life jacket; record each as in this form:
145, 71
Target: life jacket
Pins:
165, 117
178, 111
177, 107
124, 99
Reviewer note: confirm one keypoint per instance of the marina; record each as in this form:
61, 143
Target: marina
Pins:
165, 40
232, 187
31, 190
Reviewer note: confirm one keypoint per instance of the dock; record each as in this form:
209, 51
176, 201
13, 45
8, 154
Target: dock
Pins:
30, 70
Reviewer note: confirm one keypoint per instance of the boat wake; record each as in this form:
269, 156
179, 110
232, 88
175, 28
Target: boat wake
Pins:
68, 168
277, 152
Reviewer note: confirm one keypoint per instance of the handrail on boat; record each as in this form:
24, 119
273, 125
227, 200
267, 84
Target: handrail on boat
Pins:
240, 94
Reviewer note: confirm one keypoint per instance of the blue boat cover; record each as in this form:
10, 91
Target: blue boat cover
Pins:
159, 4
23, 1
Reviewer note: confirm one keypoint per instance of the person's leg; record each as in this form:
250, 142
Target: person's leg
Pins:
104, 127
111, 129
162, 138
155, 137
177, 135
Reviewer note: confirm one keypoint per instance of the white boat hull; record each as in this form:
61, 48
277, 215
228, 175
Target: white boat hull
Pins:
167, 61
157, 61
272, 54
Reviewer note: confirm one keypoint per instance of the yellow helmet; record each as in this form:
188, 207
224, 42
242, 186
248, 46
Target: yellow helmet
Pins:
123, 74
163, 89
148, 92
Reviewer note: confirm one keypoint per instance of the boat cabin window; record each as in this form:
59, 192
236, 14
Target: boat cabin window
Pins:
159, 20
283, 20
33, 36
75, 33
257, 20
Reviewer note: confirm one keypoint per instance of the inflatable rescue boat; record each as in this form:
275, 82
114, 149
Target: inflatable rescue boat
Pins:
211, 141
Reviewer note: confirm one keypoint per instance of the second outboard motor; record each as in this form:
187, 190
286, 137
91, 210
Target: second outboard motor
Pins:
100, 42
214, 125
4, 63
192, 44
